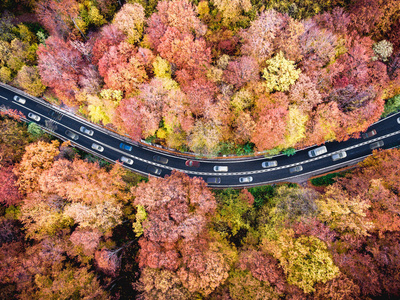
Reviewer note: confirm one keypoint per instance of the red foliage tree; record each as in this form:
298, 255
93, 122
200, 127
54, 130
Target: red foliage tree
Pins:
108, 36
60, 66
9, 194
241, 71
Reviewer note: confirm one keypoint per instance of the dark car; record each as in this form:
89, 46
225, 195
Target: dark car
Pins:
214, 180
154, 170
160, 159
125, 147
192, 163
71, 135
369, 134
376, 145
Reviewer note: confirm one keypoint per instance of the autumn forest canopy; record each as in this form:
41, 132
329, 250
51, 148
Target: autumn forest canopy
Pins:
209, 76
219, 76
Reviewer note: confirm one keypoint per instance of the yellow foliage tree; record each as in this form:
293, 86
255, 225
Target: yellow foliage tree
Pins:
296, 126
162, 68
280, 73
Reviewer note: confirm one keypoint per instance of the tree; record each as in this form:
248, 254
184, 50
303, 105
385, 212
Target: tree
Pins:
122, 68
241, 71
109, 36
205, 137
342, 213
28, 79
9, 194
338, 288
231, 10
280, 73
305, 260
37, 158
271, 123
130, 20
60, 66
129, 116
180, 15
61, 17
304, 94
258, 38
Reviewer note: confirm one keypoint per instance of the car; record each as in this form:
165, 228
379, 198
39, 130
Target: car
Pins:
125, 147
220, 168
97, 147
376, 145
127, 160
246, 179
19, 99
192, 163
34, 117
339, 155
398, 120
160, 159
86, 131
296, 169
154, 170
214, 180
368, 134
71, 135
317, 151
269, 164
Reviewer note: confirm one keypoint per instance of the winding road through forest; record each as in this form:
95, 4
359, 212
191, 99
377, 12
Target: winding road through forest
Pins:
141, 158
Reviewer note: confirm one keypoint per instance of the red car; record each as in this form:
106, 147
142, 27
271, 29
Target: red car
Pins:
192, 163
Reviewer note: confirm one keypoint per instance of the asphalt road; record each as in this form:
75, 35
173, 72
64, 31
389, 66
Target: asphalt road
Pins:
58, 121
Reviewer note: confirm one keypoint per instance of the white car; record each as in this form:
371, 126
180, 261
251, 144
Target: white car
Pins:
86, 131
317, 151
34, 117
19, 99
398, 120
246, 179
269, 164
97, 147
127, 160
339, 155
220, 168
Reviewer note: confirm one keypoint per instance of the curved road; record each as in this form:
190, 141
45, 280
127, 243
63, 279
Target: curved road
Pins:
58, 121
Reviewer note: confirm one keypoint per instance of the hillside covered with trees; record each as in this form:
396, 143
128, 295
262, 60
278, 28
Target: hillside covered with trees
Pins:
74, 227
209, 76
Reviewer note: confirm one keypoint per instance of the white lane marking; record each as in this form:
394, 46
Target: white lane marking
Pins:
3, 97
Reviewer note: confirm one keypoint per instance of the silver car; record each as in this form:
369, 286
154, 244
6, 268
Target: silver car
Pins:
269, 164
97, 147
339, 155
127, 160
376, 145
296, 169
19, 99
220, 168
86, 131
34, 117
246, 179
71, 135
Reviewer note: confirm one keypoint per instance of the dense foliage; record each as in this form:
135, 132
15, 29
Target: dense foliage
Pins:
210, 76
71, 229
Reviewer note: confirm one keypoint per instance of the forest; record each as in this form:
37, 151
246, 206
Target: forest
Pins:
212, 77
76, 227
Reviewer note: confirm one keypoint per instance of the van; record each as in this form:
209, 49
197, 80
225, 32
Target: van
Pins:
317, 151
